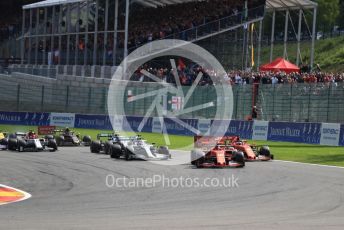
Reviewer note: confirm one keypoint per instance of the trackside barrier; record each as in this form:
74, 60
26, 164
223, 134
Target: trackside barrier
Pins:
341, 139
309, 133
24, 118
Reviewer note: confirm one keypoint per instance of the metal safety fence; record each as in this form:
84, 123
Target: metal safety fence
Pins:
302, 102
282, 102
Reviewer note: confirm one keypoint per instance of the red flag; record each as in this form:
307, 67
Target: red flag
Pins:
181, 64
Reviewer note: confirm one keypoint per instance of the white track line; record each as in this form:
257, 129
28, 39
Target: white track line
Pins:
301, 163
26, 195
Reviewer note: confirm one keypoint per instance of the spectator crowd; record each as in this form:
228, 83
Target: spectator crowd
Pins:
189, 72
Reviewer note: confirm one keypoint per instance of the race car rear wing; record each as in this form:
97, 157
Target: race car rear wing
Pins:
58, 131
106, 135
21, 134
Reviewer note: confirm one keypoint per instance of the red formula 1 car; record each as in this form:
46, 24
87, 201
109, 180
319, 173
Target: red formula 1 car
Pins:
212, 152
251, 152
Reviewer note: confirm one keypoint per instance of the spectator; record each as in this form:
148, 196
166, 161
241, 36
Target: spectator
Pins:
254, 112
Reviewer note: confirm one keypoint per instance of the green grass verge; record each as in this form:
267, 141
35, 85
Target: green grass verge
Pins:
325, 155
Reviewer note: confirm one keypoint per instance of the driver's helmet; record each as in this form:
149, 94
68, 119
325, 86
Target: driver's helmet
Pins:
31, 133
67, 130
139, 143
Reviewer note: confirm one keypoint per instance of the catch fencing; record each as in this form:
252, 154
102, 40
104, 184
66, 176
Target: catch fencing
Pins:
283, 102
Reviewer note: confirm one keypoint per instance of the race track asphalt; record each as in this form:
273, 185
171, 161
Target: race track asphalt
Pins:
69, 192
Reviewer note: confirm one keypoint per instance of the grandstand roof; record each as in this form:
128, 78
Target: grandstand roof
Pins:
270, 4
289, 4
49, 3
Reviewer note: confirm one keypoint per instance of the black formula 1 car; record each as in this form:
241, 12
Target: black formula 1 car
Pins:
23, 142
129, 148
70, 138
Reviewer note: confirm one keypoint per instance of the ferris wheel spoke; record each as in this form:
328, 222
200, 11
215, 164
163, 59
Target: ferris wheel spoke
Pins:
192, 89
162, 123
148, 114
194, 108
185, 125
176, 77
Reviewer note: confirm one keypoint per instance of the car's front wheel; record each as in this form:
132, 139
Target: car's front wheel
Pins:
115, 151
95, 147
128, 155
52, 144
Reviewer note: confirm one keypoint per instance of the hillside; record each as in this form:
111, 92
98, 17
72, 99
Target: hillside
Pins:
329, 53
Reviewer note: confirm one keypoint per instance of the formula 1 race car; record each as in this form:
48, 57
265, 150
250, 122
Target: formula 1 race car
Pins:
101, 145
129, 148
24, 142
212, 153
251, 152
3, 141
67, 137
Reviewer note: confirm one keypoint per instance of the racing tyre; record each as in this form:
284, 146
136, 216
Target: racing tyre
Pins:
59, 140
87, 140
265, 151
95, 147
21, 145
107, 148
12, 144
197, 156
239, 158
52, 144
128, 155
115, 151
164, 150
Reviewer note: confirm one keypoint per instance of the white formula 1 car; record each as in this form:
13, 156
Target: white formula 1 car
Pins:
129, 148
24, 142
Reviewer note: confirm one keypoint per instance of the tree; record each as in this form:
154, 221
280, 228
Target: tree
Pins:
328, 12
340, 20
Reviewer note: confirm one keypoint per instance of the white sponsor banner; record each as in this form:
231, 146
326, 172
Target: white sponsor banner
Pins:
156, 125
260, 130
330, 134
204, 126
62, 119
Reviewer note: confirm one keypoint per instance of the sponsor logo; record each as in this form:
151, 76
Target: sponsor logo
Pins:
331, 131
46, 130
12, 118
62, 119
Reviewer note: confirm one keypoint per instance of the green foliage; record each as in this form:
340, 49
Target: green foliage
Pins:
329, 53
328, 12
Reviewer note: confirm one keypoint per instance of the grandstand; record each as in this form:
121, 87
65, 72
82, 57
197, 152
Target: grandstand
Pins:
91, 37
74, 47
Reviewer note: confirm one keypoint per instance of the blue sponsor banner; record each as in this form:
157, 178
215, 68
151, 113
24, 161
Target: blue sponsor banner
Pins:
183, 127
24, 118
295, 132
92, 122
310, 133
134, 124
243, 129
341, 137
